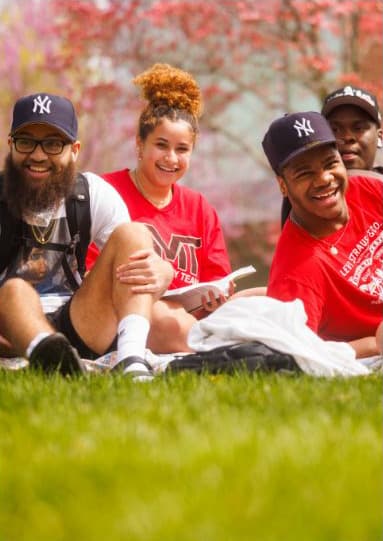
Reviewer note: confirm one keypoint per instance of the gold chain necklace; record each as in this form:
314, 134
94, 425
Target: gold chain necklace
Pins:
43, 234
331, 245
157, 203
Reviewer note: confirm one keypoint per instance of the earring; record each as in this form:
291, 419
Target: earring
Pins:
138, 152
379, 143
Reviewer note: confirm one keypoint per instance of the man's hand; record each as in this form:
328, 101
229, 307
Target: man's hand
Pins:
365, 347
260, 291
146, 272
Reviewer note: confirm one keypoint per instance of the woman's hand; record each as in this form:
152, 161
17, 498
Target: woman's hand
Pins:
146, 272
210, 302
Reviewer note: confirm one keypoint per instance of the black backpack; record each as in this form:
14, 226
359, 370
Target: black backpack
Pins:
246, 356
77, 207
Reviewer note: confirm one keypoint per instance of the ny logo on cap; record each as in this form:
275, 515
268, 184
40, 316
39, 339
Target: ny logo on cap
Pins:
43, 104
303, 128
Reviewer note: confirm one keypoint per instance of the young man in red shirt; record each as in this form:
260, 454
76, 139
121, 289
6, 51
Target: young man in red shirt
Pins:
330, 251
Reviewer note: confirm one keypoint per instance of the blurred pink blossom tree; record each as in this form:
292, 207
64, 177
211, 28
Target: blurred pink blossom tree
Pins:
253, 60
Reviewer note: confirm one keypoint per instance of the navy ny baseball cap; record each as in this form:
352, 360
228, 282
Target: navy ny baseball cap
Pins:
45, 109
293, 134
352, 95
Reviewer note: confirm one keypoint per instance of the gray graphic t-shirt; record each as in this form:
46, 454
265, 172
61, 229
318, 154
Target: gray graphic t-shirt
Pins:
39, 258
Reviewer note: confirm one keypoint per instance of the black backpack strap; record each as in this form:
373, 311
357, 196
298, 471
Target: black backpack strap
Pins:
79, 222
11, 231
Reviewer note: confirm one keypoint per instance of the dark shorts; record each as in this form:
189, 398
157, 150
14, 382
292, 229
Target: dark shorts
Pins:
62, 323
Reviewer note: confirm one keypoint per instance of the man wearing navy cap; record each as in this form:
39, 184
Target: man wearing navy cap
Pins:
354, 116
330, 251
65, 315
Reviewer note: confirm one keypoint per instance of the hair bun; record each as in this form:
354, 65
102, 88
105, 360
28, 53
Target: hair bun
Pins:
165, 84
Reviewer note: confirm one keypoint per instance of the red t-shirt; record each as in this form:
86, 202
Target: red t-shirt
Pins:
342, 294
187, 232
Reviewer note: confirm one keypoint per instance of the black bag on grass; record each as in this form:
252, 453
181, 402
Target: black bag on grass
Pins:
248, 356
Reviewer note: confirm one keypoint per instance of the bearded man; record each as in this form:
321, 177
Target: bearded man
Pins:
51, 313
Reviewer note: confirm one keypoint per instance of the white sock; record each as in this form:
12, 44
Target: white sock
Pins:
37, 339
132, 334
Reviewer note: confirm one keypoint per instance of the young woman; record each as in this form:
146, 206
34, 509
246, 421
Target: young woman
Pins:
185, 227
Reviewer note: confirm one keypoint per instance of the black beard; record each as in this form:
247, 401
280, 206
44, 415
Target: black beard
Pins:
22, 197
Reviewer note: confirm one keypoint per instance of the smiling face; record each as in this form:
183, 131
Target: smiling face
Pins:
164, 156
357, 136
38, 166
315, 182
36, 180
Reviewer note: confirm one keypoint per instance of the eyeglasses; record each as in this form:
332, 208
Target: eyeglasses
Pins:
26, 145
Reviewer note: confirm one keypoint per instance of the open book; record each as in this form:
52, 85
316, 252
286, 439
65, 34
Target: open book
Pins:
191, 296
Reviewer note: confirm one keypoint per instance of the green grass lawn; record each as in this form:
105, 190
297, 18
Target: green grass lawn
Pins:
189, 458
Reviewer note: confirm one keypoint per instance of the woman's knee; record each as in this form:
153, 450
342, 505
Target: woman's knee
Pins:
169, 330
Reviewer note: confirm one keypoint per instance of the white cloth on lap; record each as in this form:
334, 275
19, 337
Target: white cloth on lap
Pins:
281, 325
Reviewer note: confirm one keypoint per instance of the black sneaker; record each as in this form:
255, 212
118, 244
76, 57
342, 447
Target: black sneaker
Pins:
137, 374
55, 353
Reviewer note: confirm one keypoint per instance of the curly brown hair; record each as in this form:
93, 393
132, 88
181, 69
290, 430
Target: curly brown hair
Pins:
172, 93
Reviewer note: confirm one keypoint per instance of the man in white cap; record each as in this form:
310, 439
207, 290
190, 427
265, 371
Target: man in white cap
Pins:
354, 116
